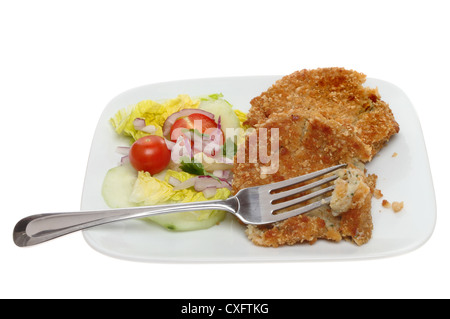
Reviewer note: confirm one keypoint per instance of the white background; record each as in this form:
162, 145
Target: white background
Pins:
61, 62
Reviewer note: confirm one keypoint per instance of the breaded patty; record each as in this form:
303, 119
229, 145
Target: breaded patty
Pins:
307, 143
325, 117
335, 93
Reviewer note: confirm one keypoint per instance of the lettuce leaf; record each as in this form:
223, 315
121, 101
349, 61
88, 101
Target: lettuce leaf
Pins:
242, 118
152, 112
149, 190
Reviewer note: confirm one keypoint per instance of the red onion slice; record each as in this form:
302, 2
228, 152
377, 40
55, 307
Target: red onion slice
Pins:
175, 116
227, 174
123, 150
204, 182
223, 174
169, 144
124, 160
186, 184
174, 181
149, 129
219, 123
209, 192
218, 173
200, 183
139, 124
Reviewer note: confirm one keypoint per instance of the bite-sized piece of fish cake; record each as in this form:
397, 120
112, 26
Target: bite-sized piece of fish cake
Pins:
335, 93
354, 224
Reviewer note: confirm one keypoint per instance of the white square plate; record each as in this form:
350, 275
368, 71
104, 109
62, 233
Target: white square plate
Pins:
405, 177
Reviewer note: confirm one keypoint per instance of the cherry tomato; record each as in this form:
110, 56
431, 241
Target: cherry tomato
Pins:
207, 125
150, 154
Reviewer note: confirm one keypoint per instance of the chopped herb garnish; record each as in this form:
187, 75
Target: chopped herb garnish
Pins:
195, 168
195, 131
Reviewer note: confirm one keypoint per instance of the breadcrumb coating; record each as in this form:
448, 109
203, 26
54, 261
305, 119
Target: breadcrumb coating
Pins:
335, 93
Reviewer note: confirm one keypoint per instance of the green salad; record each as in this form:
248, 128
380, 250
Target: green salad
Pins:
179, 150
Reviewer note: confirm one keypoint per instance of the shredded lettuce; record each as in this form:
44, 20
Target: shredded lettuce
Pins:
211, 97
149, 190
242, 118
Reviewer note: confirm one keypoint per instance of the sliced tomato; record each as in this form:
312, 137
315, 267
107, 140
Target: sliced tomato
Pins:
195, 121
150, 154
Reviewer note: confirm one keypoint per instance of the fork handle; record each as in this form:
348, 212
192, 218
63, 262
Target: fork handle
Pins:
40, 228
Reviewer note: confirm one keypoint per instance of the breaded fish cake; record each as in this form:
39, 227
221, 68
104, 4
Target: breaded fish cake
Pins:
335, 93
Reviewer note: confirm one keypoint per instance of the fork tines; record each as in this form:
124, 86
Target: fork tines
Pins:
281, 201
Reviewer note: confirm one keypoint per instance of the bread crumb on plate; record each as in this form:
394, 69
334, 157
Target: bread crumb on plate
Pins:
386, 204
377, 194
397, 206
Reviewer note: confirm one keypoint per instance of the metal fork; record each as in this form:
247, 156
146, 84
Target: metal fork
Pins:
255, 205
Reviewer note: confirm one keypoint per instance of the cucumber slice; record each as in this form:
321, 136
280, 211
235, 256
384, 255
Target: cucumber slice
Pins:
187, 221
223, 109
118, 185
